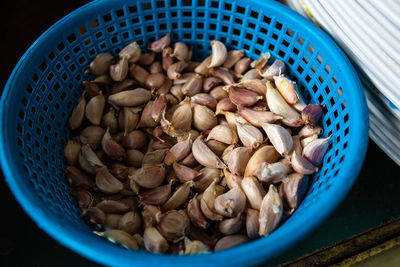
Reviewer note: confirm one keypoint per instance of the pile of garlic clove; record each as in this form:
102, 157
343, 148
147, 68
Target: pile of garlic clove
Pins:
176, 156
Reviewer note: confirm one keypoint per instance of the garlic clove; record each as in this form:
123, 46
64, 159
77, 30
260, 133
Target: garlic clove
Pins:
149, 176
155, 67
272, 172
233, 57
238, 159
111, 147
305, 141
154, 241
224, 134
157, 196
232, 180
167, 59
207, 203
219, 54
124, 85
277, 68
242, 65
119, 70
146, 59
287, 89
71, 151
112, 221
210, 83
175, 70
119, 237
203, 154
77, 178
205, 100
130, 223
231, 203
244, 97
202, 68
119, 171
260, 63
249, 135
203, 118
279, 137
78, 113
195, 215
110, 121
134, 140
112, 206
271, 211
312, 114
150, 215
219, 93
251, 75
207, 176
195, 247
159, 105
255, 116
193, 86
130, 120
94, 109
230, 226
223, 74
155, 81
158, 45
230, 241
254, 191
224, 105
138, 73
185, 174
179, 197
174, 225
132, 52
293, 190
129, 98
252, 223
178, 152
302, 165
181, 51
100, 63
315, 150
107, 183
264, 154
154, 157
309, 130
181, 119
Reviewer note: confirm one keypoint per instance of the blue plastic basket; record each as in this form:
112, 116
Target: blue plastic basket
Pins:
46, 84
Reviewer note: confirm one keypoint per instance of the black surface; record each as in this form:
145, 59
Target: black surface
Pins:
372, 200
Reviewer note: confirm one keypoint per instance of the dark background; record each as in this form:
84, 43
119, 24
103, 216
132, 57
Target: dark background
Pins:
374, 198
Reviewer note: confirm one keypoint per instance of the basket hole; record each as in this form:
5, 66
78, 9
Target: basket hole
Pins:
281, 54
236, 32
120, 13
337, 128
82, 30
285, 43
313, 69
77, 49
275, 36
71, 38
240, 9
346, 132
332, 101
278, 26
238, 21
249, 36
315, 89
235, 42
267, 19
225, 29
300, 69
37, 98
271, 47
50, 76
43, 66
346, 118
99, 35
51, 56
264, 31
254, 14
251, 25
310, 49
213, 15
226, 18
111, 29
257, 52
291, 61
35, 78
343, 104
72, 68
213, 26
335, 113
308, 79
246, 46
148, 17
320, 99
296, 51
107, 17
228, 6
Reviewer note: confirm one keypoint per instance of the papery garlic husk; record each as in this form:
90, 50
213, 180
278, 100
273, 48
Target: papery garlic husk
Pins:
242, 65
83, 197
71, 151
255, 116
276, 69
203, 118
155, 67
203, 68
157, 196
184, 173
174, 225
208, 175
134, 140
260, 63
130, 223
112, 221
272, 172
138, 73
251, 75
223, 105
219, 93
232, 180
195, 247
101, 63
131, 119
94, 109
111, 147
146, 59
110, 121
149, 176
231, 203
254, 191
159, 105
77, 178
309, 130
119, 237
112, 206
193, 86
301, 165
181, 51
155, 157
207, 203
205, 100
146, 119
233, 57
271, 211
238, 160
209, 83
107, 183
134, 186
252, 223
315, 150
219, 54
130, 98
132, 52
158, 45
203, 154
249, 135
230, 241
230, 226
119, 70
150, 215
224, 134
175, 70
78, 113
293, 190
223, 74
279, 137
181, 119
278, 106
179, 197
195, 215
154, 241
155, 81
305, 141
287, 89
244, 97
312, 114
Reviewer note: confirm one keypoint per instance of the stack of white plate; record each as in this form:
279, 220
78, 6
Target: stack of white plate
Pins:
369, 32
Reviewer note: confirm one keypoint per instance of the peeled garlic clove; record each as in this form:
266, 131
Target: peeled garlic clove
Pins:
155, 157
278, 106
179, 197
301, 165
71, 151
224, 134
77, 178
174, 225
254, 191
287, 89
244, 97
230, 226
146, 59
195, 215
131, 118
223, 74
130, 98
249, 135
111, 147
175, 70
208, 175
203, 118
119, 70
315, 150
181, 51
195, 247
252, 223
94, 109
131, 52
293, 190
309, 130
159, 105
157, 196
233, 57
203, 154
205, 100
255, 116
260, 63
167, 59
231, 203
279, 137
159, 45
149, 176
219, 54
202, 68
305, 141
107, 183
219, 93
100, 64
193, 86
277, 68
130, 223
184, 173
223, 105
210, 83
272, 172
134, 140
155, 81
238, 160
270, 212
138, 73
112, 206
154, 241
312, 114
78, 113
242, 65
230, 241
207, 203
155, 67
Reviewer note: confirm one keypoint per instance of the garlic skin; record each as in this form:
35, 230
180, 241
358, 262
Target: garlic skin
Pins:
232, 180
251, 75
205, 100
223, 105
71, 151
119, 237
178, 151
244, 97
173, 225
272, 172
132, 52
78, 113
287, 89
119, 70
315, 150
203, 154
249, 135
159, 105
154, 241
195, 247
230, 226
207, 176
209, 83
159, 45
254, 191
129, 98
107, 183
167, 59
305, 141
111, 147
78, 178
181, 51
302, 165
260, 63
219, 54
276, 69
223, 74
193, 86
271, 211
203, 68
264, 154
184, 173
179, 197
181, 120
231, 203
233, 57
146, 119
309, 130
224, 134
157, 196
279, 137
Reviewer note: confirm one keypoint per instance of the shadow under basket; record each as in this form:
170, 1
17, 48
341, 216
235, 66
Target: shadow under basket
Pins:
46, 84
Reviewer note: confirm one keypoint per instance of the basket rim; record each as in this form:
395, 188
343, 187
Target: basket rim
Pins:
253, 250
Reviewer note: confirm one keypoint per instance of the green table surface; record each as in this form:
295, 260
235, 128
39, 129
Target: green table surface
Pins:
373, 199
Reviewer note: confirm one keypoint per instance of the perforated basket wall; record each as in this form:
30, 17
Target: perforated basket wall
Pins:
46, 84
